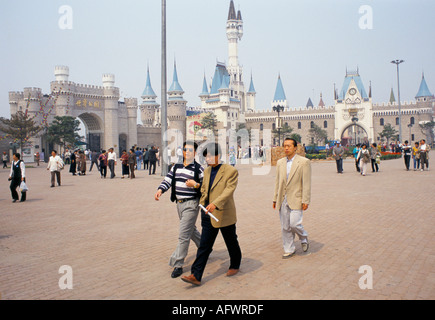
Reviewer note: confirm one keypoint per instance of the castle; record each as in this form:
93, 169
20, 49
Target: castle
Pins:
110, 122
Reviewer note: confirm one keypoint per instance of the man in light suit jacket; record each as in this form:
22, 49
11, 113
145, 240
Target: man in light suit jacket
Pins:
292, 196
217, 196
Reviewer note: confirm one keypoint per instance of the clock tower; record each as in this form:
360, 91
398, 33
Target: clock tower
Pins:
353, 111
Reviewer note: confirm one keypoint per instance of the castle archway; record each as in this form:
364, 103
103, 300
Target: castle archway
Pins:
94, 132
354, 134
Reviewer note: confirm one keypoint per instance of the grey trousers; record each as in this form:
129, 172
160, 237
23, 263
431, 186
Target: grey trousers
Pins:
188, 214
291, 223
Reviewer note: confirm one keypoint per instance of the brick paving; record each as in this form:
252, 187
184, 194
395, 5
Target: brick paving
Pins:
118, 239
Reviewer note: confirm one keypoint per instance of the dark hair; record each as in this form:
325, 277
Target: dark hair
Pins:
54, 151
17, 155
295, 143
406, 141
190, 143
374, 144
214, 148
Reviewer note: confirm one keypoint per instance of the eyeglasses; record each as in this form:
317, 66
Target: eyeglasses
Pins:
188, 149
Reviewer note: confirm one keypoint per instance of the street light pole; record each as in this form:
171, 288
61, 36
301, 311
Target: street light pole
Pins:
397, 62
164, 110
278, 109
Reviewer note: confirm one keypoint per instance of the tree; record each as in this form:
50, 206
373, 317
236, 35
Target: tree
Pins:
210, 122
318, 134
428, 130
64, 131
283, 132
20, 127
388, 132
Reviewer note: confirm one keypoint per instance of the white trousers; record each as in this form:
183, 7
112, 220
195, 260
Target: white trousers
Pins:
291, 223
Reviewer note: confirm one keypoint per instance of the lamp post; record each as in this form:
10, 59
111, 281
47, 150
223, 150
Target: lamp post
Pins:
164, 111
410, 126
355, 120
278, 109
397, 62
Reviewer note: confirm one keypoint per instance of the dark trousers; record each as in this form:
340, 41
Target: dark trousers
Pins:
92, 164
14, 185
132, 176
145, 164
339, 165
424, 160
55, 174
374, 165
208, 237
5, 164
357, 165
112, 168
153, 166
103, 171
407, 161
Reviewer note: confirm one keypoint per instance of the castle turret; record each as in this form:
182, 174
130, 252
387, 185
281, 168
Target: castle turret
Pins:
61, 73
423, 93
177, 108
280, 97
250, 96
149, 106
204, 93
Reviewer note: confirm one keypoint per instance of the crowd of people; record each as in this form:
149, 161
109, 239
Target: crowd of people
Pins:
366, 154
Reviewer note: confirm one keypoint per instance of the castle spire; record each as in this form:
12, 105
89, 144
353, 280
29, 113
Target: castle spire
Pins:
423, 91
232, 12
175, 87
279, 92
321, 103
204, 88
148, 92
392, 98
251, 86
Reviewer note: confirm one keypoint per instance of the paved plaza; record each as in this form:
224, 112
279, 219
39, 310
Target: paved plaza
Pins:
117, 239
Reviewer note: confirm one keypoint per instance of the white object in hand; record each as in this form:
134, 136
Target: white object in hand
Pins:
205, 210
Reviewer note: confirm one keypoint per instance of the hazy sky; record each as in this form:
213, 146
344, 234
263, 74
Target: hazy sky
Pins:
310, 43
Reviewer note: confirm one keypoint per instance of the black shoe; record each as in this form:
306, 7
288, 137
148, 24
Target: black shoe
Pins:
15, 200
177, 272
22, 200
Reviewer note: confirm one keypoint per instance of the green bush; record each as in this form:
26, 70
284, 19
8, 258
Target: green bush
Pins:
316, 156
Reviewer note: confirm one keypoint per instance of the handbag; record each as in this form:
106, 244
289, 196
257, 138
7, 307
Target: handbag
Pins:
23, 187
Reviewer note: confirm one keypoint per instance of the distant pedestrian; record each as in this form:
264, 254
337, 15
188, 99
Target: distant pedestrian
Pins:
37, 158
124, 164
139, 158
424, 154
375, 156
55, 165
153, 160
132, 158
5, 159
82, 160
355, 153
17, 175
338, 152
94, 160
103, 164
416, 156
146, 159
364, 156
73, 165
111, 159
407, 150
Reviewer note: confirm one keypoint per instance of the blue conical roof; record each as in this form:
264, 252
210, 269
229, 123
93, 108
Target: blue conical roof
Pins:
423, 91
251, 87
148, 92
175, 87
204, 88
279, 92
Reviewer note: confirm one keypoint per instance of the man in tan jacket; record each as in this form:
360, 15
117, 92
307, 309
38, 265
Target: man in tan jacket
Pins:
217, 196
292, 196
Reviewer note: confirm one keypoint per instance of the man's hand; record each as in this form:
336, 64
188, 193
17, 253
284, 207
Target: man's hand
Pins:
158, 195
274, 205
304, 206
211, 207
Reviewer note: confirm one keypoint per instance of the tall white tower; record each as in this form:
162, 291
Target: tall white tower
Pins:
234, 34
